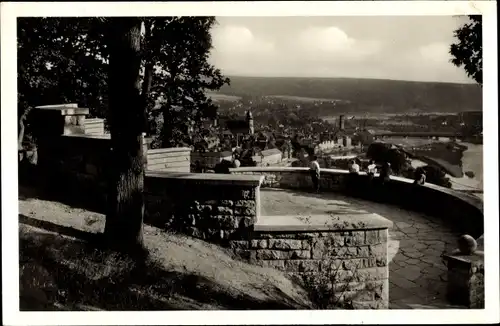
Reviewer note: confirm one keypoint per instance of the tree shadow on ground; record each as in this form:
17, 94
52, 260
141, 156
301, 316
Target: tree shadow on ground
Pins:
95, 238
61, 273
74, 198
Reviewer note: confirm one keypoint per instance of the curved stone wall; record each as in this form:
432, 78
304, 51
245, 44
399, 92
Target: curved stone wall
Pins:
461, 211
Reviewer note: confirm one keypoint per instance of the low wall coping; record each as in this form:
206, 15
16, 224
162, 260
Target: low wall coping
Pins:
334, 222
91, 136
65, 109
169, 150
94, 120
476, 259
472, 200
227, 179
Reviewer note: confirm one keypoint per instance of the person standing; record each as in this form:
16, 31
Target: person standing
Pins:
315, 172
385, 173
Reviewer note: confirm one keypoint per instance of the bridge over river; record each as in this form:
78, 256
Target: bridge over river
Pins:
420, 134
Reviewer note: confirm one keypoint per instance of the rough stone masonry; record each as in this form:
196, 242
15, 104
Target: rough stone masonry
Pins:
345, 262
213, 207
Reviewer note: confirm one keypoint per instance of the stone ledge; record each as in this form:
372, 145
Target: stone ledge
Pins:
209, 178
65, 109
89, 136
169, 150
344, 222
473, 201
466, 261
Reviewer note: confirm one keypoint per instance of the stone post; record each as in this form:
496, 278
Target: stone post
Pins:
466, 279
49, 123
57, 120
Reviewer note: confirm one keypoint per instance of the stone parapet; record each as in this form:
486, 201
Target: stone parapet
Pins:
461, 211
177, 159
341, 260
94, 126
213, 207
56, 120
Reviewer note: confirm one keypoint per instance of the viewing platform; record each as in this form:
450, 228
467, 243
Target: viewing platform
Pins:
386, 245
417, 273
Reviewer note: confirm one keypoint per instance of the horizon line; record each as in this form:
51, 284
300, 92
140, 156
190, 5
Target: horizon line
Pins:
366, 78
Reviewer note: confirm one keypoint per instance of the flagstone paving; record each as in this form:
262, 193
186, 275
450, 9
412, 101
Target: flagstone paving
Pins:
417, 274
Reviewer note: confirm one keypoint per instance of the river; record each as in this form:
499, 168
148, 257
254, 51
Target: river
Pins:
472, 160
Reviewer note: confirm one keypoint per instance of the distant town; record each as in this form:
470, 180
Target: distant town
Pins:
282, 132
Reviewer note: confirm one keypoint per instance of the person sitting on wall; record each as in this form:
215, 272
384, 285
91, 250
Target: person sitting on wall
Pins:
354, 167
315, 172
419, 177
371, 170
236, 162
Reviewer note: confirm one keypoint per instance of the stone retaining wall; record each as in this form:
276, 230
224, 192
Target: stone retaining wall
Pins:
213, 207
76, 166
343, 262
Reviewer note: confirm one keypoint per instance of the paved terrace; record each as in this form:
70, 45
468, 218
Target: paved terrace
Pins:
417, 274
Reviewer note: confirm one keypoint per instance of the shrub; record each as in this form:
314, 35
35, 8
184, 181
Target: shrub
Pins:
327, 288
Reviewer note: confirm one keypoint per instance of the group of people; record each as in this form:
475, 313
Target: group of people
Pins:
354, 169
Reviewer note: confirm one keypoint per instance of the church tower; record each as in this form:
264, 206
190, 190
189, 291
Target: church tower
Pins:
250, 122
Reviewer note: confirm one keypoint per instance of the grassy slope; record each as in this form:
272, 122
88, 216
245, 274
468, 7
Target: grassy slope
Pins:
366, 94
62, 269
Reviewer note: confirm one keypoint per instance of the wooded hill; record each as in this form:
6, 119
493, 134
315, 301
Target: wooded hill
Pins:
364, 95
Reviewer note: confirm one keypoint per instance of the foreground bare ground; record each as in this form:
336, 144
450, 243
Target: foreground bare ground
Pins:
61, 269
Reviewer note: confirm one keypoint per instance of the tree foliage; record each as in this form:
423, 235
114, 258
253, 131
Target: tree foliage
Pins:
437, 176
58, 62
63, 60
382, 152
467, 52
83, 59
183, 74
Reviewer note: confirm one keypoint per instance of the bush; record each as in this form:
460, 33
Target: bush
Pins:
437, 176
328, 288
382, 152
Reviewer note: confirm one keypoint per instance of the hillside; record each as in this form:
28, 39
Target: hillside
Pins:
364, 95
63, 267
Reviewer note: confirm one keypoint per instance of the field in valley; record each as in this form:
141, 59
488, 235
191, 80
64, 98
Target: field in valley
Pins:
216, 97
305, 99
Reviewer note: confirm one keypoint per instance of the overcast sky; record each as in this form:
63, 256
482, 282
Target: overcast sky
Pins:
397, 47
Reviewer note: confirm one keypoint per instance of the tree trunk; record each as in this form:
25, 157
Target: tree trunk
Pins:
146, 87
124, 221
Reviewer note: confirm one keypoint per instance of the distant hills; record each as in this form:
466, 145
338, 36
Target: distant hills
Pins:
363, 95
